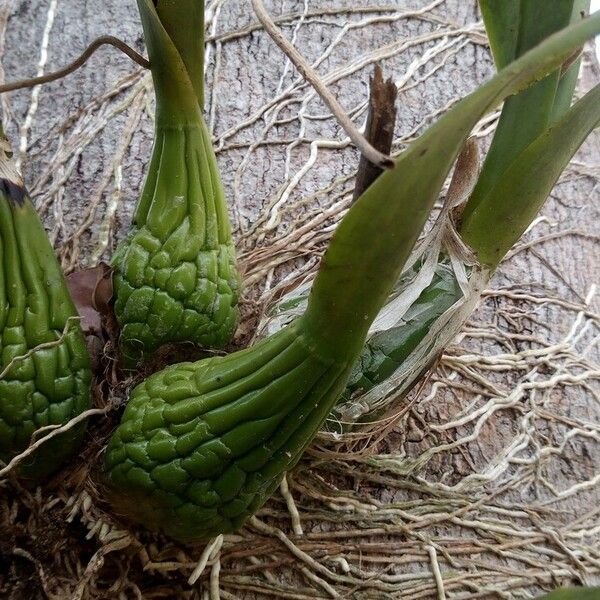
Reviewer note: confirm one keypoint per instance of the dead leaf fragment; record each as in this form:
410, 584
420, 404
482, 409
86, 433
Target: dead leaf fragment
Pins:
91, 291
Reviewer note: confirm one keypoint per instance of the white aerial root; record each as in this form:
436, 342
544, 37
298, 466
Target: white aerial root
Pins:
35, 93
311, 76
54, 430
209, 552
289, 500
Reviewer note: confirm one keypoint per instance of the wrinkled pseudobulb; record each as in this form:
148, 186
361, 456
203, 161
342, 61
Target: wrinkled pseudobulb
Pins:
44, 366
203, 445
175, 275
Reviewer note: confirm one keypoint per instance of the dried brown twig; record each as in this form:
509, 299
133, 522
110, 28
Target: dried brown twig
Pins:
379, 130
77, 63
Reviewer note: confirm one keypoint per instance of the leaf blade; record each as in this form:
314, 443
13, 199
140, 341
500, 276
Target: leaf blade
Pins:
183, 20
527, 114
512, 204
175, 94
355, 277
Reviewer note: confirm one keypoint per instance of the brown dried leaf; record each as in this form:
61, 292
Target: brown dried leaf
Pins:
91, 291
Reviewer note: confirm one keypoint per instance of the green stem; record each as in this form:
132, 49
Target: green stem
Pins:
183, 21
177, 100
175, 276
502, 26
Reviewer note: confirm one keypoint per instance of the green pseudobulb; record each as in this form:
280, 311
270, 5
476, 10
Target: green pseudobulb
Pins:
175, 273
45, 375
203, 445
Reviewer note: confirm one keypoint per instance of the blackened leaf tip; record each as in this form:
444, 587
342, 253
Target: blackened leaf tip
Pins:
13, 192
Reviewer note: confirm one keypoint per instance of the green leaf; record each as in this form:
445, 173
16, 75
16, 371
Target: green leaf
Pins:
373, 241
501, 21
511, 205
568, 79
526, 115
